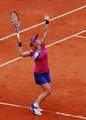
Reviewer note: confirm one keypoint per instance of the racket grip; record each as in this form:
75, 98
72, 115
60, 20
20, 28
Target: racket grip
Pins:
17, 30
18, 36
19, 41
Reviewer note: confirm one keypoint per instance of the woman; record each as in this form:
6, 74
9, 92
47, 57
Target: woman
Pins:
41, 70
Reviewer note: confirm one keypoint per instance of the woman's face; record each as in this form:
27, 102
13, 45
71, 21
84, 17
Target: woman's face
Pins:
37, 45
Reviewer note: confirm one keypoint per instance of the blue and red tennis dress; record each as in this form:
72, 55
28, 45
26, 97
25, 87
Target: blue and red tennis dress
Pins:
41, 69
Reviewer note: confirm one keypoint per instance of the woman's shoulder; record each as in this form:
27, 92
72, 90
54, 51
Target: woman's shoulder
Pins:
43, 44
32, 51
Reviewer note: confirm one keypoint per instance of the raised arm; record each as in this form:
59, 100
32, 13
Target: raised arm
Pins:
46, 19
22, 53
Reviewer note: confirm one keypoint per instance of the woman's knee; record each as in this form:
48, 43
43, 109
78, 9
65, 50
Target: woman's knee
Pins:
48, 91
47, 88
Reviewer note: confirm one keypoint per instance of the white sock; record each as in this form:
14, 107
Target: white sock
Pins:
36, 104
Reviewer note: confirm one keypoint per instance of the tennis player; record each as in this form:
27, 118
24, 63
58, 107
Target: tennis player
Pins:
41, 71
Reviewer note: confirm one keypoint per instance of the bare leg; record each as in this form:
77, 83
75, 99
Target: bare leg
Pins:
47, 91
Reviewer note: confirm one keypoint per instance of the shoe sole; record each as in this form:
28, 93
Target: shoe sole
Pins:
34, 112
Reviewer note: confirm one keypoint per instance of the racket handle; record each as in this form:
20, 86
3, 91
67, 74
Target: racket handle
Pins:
18, 36
17, 30
19, 41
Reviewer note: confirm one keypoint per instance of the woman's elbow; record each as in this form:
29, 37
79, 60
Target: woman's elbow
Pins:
21, 54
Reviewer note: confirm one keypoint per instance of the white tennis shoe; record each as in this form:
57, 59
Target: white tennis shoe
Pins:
36, 110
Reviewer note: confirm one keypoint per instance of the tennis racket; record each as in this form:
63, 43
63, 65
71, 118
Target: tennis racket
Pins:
14, 19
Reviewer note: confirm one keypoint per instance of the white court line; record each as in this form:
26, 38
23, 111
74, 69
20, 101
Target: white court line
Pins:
70, 115
13, 105
57, 17
6, 63
80, 36
52, 112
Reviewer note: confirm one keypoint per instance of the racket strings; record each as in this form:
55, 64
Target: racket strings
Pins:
14, 18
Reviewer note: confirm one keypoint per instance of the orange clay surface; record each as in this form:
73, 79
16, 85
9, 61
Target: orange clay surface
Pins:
67, 60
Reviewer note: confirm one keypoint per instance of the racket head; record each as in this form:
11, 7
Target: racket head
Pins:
14, 19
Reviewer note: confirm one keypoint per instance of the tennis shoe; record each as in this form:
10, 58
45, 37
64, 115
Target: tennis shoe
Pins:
36, 110
41, 110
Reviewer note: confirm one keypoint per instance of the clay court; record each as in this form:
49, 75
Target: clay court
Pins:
66, 46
